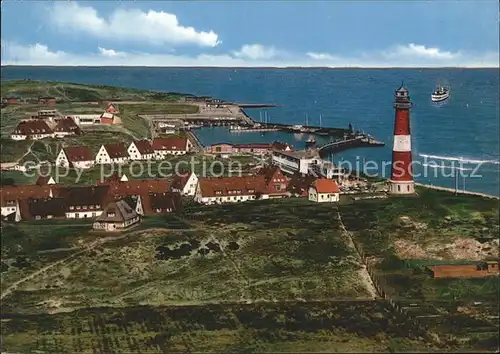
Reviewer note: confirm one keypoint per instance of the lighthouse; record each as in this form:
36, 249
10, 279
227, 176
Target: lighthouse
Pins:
401, 181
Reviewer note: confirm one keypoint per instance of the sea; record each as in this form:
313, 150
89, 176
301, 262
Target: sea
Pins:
455, 143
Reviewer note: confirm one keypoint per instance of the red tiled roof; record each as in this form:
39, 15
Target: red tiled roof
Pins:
162, 201
78, 153
10, 193
209, 186
172, 143
179, 181
116, 150
138, 187
271, 172
325, 185
85, 196
42, 180
30, 127
67, 125
111, 108
144, 146
300, 184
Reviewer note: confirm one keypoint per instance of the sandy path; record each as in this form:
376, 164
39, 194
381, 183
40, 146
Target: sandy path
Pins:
363, 272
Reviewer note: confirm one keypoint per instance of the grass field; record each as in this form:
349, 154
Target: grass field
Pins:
72, 95
82, 92
259, 252
326, 327
218, 260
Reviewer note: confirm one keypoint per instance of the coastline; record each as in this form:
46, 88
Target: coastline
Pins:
458, 192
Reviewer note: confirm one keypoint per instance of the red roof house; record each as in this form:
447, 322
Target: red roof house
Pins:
75, 156
171, 146
107, 118
324, 190
47, 100
31, 129
276, 181
112, 108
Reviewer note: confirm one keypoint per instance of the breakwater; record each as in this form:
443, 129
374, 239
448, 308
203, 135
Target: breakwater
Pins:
321, 131
350, 143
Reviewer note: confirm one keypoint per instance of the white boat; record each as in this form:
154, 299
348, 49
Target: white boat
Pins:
440, 94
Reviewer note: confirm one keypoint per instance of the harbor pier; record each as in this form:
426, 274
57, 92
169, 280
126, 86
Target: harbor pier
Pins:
356, 141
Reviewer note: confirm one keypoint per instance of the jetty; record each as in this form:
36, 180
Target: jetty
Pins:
349, 142
263, 127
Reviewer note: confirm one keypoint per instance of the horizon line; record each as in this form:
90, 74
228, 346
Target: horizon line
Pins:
250, 67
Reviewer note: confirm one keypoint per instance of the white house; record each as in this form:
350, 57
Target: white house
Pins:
75, 156
87, 119
324, 190
115, 153
295, 161
171, 146
231, 189
185, 184
141, 150
32, 129
9, 207
85, 202
117, 216
66, 126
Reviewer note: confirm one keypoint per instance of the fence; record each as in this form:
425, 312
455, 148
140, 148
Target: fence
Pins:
383, 292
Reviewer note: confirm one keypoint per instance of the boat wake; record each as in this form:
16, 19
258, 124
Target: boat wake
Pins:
459, 159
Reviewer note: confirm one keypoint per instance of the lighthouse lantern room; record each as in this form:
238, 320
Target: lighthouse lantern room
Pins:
401, 181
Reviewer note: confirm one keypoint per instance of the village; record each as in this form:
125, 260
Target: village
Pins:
282, 173
283, 212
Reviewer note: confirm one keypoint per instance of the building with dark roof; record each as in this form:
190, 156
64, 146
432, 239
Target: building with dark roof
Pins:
75, 156
85, 202
231, 189
114, 153
32, 129
66, 126
171, 146
141, 150
117, 216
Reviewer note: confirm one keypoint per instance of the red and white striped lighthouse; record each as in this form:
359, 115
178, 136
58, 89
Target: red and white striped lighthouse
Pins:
401, 181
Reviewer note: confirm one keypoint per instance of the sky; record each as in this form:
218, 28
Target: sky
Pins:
439, 33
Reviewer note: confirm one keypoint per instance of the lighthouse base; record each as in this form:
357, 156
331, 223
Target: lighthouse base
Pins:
401, 187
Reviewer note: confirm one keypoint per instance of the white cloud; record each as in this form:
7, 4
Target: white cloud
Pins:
320, 56
421, 51
256, 52
110, 52
154, 27
39, 54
